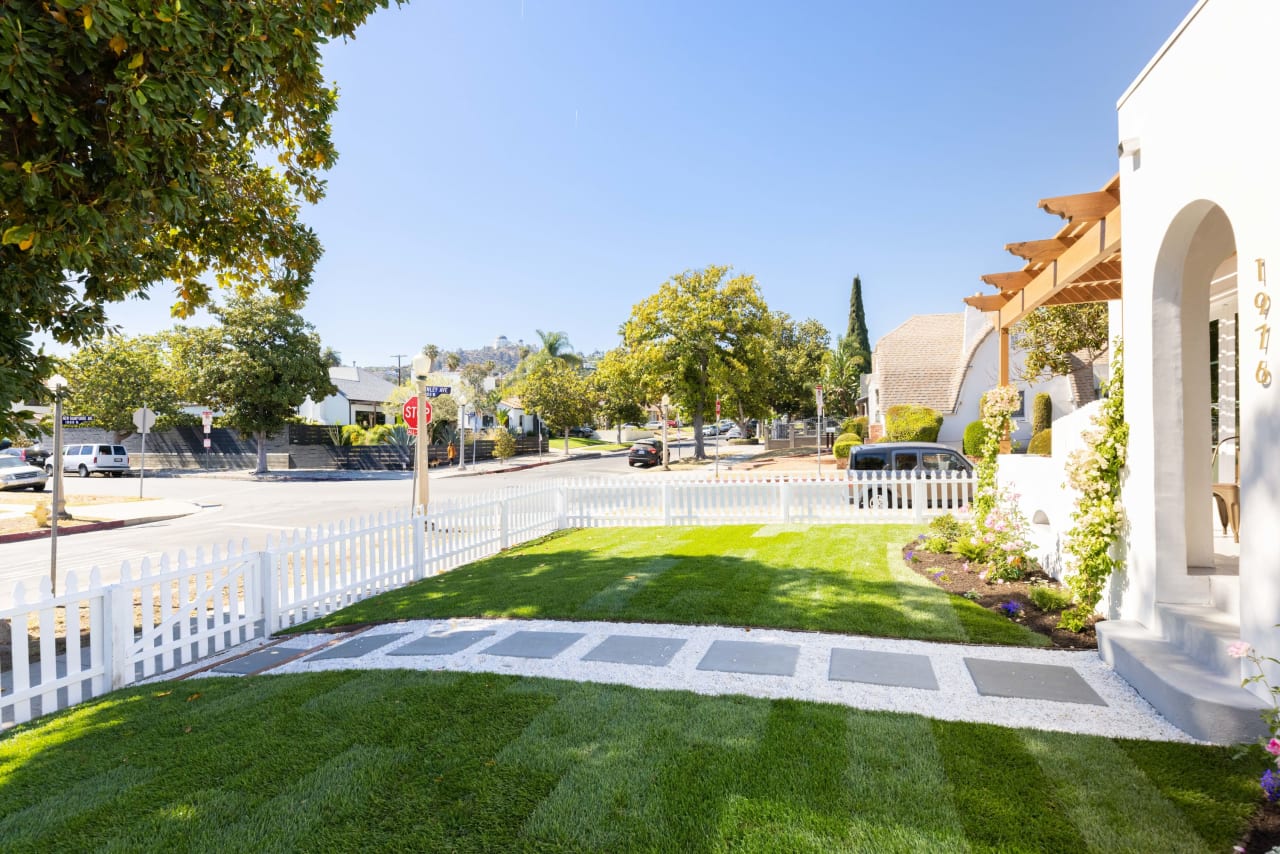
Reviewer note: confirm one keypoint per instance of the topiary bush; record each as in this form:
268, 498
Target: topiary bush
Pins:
1041, 414
1041, 443
844, 444
857, 426
909, 423
974, 435
504, 445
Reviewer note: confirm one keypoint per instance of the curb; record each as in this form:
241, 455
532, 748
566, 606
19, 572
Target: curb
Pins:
44, 533
591, 456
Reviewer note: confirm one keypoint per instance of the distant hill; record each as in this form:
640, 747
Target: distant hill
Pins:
504, 359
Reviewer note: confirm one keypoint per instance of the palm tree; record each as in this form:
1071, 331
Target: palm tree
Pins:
331, 357
556, 346
431, 351
452, 360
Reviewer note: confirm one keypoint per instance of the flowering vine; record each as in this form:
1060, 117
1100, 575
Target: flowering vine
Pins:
1095, 472
1270, 781
998, 406
1000, 535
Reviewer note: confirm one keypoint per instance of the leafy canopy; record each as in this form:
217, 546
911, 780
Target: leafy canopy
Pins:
1051, 335
111, 378
129, 135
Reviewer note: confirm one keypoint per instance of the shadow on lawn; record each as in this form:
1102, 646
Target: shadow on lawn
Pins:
860, 597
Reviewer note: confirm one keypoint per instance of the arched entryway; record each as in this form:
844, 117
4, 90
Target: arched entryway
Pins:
1194, 350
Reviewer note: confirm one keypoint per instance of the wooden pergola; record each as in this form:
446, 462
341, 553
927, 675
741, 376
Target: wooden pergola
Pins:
1080, 264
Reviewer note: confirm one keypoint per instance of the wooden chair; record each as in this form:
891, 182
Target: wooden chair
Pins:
1227, 495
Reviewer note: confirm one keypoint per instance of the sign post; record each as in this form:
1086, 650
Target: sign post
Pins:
717, 438
817, 391
144, 419
206, 418
410, 411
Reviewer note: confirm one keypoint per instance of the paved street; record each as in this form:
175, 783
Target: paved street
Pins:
236, 509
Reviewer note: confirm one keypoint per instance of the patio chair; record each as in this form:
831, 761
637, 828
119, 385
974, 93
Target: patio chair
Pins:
1227, 495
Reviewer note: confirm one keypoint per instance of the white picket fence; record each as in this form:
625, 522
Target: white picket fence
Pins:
173, 613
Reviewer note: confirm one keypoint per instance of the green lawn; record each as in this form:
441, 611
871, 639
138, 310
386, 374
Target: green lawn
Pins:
835, 578
576, 444
410, 761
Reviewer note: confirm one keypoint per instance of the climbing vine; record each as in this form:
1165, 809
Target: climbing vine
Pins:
1095, 471
998, 406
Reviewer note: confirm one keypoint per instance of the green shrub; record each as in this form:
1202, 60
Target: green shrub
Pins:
974, 435
504, 445
1041, 443
970, 549
948, 528
909, 423
1041, 413
1050, 598
752, 441
352, 434
377, 434
935, 545
844, 444
857, 426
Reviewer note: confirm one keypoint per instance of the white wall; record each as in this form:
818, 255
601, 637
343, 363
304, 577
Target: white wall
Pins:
334, 409
1204, 123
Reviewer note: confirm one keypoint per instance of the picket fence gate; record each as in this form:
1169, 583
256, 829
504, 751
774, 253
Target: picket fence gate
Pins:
57, 650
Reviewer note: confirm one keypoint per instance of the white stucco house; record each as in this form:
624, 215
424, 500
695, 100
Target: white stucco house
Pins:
946, 362
358, 400
1198, 278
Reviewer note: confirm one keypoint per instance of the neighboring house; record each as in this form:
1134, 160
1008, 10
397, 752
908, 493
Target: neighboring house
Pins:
358, 400
946, 362
513, 414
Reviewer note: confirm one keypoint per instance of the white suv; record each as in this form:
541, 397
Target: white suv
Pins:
87, 459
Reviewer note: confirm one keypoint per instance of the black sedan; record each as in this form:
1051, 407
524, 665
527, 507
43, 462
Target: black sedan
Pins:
646, 453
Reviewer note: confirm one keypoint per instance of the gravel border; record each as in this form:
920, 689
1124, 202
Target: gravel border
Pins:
1126, 714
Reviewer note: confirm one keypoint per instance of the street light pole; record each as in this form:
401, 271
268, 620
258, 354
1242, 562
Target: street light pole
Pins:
421, 370
462, 431
666, 448
57, 384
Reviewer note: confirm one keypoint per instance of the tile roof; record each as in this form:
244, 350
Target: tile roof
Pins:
359, 385
923, 362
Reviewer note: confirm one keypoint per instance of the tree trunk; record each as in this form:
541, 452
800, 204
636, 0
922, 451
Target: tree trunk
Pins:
699, 451
566, 441
260, 437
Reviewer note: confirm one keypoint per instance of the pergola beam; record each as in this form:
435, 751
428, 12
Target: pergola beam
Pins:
1008, 282
1100, 243
1039, 251
1082, 207
987, 302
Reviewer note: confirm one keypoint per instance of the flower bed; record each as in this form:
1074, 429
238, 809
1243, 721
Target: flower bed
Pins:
957, 576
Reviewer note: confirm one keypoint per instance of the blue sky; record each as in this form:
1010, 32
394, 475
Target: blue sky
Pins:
509, 166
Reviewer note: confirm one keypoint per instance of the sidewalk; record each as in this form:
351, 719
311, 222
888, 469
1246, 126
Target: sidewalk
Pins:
1058, 690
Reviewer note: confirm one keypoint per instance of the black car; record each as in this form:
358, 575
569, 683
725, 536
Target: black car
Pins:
582, 432
646, 453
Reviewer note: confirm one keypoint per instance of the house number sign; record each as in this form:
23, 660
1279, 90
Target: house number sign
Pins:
1262, 302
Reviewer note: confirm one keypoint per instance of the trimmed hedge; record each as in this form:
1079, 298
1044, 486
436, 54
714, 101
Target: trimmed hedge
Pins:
1041, 413
1041, 443
908, 423
974, 435
844, 443
856, 426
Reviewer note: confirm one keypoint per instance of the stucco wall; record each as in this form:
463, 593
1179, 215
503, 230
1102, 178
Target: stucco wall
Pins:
1201, 118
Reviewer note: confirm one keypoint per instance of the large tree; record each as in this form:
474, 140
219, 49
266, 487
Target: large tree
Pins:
843, 381
698, 323
558, 394
618, 388
268, 363
112, 378
130, 141
1051, 335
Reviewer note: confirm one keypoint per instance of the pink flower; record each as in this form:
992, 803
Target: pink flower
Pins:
1239, 649
1273, 747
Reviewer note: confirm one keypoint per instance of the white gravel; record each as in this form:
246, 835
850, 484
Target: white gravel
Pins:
1126, 714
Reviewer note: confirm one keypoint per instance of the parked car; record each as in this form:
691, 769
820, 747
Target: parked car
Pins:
645, 453
33, 456
932, 460
15, 474
711, 430
86, 459
724, 425
582, 432
733, 433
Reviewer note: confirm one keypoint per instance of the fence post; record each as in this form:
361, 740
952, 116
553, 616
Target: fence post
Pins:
784, 501
118, 632
666, 504
562, 507
919, 491
268, 595
419, 547
504, 526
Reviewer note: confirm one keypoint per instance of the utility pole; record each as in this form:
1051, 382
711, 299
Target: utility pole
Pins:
398, 357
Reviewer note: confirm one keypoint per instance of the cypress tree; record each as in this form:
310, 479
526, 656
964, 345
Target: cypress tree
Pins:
858, 318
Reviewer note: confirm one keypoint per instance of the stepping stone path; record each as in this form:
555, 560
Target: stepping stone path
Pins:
1047, 689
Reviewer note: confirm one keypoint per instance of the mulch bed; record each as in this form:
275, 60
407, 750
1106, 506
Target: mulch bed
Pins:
955, 578
1264, 831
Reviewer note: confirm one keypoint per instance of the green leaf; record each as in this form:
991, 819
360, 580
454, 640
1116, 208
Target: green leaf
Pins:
18, 234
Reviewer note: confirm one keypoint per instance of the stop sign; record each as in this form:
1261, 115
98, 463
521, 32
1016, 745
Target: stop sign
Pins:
410, 413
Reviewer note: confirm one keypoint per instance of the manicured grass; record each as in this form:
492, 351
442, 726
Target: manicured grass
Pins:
412, 761
576, 444
835, 578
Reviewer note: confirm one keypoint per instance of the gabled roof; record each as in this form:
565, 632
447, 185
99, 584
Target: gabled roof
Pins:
359, 385
922, 362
